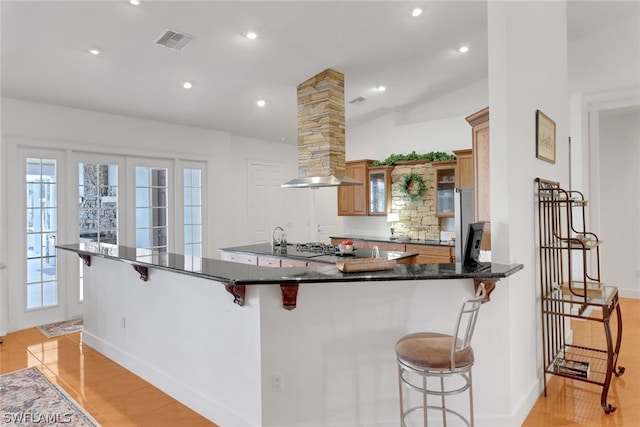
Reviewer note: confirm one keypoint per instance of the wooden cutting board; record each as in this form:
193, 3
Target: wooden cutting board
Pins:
365, 264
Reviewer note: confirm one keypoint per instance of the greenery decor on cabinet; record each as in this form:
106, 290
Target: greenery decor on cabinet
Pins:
433, 156
413, 186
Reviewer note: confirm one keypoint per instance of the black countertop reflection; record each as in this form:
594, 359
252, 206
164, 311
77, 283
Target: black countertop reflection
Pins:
241, 274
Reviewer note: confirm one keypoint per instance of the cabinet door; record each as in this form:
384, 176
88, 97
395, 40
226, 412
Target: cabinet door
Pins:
445, 186
399, 247
464, 168
288, 262
353, 199
268, 261
379, 191
240, 258
432, 254
479, 122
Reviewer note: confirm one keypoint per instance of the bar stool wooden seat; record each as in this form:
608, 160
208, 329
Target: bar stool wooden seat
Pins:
428, 357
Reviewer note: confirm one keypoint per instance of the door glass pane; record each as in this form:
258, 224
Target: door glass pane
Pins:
41, 232
151, 208
192, 212
98, 206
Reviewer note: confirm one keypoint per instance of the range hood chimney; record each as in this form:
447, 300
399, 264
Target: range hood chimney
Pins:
321, 133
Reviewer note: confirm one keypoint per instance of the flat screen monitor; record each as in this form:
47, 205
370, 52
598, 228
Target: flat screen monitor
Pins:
474, 241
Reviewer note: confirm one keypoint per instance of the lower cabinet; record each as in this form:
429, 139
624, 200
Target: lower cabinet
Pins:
240, 258
432, 254
288, 262
427, 254
269, 261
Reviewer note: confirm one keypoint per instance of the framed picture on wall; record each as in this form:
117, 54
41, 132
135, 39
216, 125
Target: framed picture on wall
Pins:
545, 137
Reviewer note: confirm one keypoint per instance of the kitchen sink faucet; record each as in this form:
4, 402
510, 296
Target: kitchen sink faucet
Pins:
282, 241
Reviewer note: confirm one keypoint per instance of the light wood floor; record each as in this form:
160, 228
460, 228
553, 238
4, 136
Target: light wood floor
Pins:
116, 397
572, 403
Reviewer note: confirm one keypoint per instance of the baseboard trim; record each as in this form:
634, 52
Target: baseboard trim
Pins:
188, 396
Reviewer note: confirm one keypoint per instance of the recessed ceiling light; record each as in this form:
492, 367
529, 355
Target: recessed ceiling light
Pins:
380, 88
187, 85
135, 2
251, 35
95, 51
261, 103
463, 49
416, 12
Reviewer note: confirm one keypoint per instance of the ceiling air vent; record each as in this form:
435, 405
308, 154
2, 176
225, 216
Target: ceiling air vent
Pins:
174, 40
358, 100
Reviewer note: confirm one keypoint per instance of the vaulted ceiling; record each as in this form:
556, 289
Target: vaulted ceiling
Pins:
45, 55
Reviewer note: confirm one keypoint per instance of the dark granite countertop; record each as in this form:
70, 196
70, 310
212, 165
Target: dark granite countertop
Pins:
241, 274
398, 240
265, 249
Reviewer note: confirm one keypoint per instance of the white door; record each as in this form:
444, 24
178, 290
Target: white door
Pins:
325, 213
37, 281
265, 200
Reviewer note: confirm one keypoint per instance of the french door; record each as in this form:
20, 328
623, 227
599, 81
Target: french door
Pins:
37, 291
100, 191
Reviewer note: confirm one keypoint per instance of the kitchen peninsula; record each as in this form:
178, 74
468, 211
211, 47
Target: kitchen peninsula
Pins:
178, 329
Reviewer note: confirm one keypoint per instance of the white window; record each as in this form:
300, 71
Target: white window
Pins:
192, 192
151, 204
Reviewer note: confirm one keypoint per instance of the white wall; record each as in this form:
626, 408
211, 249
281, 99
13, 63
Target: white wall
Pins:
190, 340
607, 59
620, 199
518, 86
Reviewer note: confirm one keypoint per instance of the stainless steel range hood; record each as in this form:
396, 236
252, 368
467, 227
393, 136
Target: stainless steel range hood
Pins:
321, 133
321, 181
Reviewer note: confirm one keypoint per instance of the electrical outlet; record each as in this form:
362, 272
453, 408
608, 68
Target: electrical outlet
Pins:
276, 382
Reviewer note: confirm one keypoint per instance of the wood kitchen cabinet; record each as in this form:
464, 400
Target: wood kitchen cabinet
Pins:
379, 190
464, 168
445, 186
427, 254
479, 122
432, 254
353, 200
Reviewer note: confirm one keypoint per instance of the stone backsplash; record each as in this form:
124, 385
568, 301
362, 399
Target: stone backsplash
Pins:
418, 218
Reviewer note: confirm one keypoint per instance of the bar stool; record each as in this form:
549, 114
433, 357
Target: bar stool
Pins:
426, 355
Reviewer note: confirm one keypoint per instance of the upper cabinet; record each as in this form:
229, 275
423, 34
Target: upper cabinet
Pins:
445, 186
379, 190
479, 122
464, 168
354, 199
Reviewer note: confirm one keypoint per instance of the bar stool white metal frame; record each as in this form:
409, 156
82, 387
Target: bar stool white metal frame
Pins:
429, 354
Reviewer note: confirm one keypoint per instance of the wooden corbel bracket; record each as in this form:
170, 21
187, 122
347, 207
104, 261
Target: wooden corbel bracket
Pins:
86, 259
289, 295
142, 271
238, 292
489, 286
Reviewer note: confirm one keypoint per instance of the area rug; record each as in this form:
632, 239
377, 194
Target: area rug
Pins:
61, 328
27, 397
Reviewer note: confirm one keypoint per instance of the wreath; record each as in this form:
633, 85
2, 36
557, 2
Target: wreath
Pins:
413, 186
